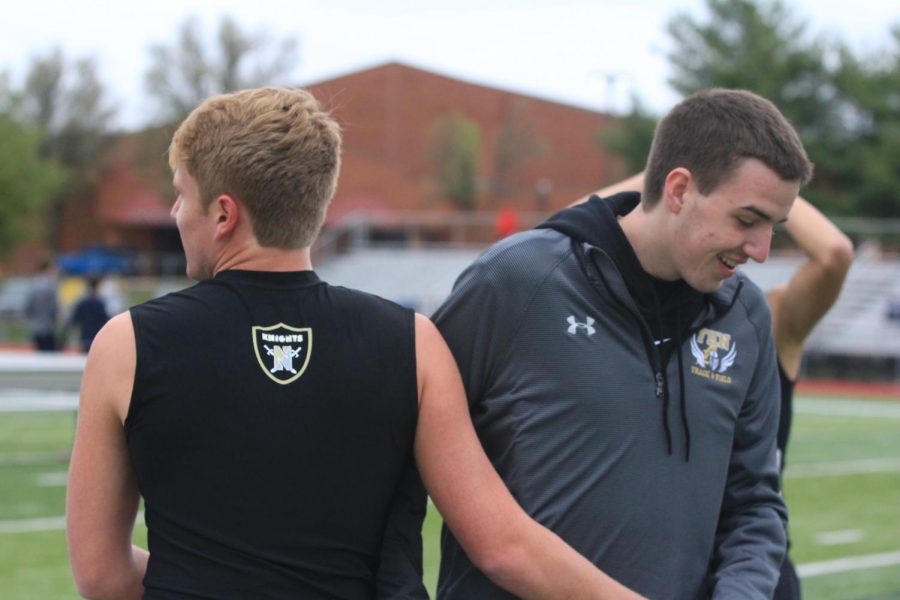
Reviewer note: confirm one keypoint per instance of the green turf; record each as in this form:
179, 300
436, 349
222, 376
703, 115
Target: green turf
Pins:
34, 452
431, 554
35, 565
48, 434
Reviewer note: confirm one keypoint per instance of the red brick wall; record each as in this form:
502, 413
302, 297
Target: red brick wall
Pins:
388, 114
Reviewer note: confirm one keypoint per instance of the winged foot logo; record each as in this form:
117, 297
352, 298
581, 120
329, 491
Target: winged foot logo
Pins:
282, 351
714, 353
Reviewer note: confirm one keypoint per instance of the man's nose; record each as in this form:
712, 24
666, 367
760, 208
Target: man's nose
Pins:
758, 243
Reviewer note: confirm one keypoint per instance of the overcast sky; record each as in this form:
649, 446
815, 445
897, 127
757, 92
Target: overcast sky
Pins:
566, 51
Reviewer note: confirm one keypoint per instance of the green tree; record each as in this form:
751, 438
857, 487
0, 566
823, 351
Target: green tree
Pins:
65, 102
758, 45
68, 104
864, 164
28, 183
456, 144
629, 137
187, 72
845, 108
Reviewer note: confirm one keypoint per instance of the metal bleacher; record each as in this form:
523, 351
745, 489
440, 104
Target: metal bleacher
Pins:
418, 278
857, 325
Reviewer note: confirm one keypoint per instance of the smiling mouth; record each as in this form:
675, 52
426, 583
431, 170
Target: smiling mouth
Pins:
728, 263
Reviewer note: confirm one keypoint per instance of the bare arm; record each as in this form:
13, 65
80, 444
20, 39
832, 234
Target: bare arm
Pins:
635, 183
501, 539
815, 285
102, 497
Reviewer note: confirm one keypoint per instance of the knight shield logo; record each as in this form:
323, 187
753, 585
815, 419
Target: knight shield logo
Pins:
282, 351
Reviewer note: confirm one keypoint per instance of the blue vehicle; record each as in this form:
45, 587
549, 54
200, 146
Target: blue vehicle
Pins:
96, 259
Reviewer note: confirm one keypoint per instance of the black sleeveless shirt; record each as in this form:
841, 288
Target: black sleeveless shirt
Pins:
787, 412
271, 419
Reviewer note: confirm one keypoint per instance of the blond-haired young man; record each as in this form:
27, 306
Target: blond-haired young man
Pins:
267, 418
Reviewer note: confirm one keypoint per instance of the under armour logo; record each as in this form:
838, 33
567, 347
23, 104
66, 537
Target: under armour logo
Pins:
587, 326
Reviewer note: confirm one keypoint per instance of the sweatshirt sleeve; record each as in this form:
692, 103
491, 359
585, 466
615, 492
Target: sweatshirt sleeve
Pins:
751, 536
479, 317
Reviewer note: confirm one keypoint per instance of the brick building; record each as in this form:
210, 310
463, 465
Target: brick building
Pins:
533, 154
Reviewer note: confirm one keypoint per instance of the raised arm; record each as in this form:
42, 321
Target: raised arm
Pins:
635, 183
814, 287
102, 496
501, 539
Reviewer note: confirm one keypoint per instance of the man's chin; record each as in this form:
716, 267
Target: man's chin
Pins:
706, 287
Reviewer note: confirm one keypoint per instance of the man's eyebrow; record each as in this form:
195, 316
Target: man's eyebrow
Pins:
763, 215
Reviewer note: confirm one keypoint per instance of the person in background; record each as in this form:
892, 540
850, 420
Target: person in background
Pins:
506, 222
89, 314
267, 418
42, 308
797, 306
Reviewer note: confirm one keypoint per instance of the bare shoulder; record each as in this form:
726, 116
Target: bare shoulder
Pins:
426, 331
118, 328
436, 369
431, 349
109, 371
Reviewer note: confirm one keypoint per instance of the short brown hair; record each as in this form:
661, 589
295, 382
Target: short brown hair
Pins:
711, 132
274, 149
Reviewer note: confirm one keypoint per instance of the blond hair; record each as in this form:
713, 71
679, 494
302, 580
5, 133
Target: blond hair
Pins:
273, 149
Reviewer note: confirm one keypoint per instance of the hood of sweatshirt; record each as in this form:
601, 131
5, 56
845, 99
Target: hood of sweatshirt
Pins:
669, 308
595, 222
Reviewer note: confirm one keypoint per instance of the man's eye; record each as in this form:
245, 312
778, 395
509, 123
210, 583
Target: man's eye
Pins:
744, 223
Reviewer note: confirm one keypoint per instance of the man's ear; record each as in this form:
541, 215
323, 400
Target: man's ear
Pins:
227, 214
675, 188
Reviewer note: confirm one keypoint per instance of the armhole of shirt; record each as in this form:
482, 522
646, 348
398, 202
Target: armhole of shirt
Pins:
136, 323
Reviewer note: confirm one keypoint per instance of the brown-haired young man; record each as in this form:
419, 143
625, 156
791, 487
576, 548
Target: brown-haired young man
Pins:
797, 305
267, 418
621, 375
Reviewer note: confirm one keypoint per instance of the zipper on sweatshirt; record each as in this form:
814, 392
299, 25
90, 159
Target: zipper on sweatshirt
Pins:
652, 352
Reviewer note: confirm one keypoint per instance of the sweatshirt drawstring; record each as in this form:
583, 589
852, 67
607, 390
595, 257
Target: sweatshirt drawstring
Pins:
684, 419
662, 385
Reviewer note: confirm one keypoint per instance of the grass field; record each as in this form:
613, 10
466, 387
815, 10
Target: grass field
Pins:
842, 487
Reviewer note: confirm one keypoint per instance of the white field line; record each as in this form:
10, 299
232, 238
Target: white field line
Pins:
841, 468
32, 525
43, 524
25, 400
825, 567
815, 569
836, 538
845, 408
852, 563
51, 479
884, 409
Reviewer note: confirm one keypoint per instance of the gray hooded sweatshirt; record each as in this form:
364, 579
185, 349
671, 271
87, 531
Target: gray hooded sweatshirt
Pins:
648, 447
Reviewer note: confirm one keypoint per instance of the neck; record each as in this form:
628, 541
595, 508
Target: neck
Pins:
647, 235
266, 259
